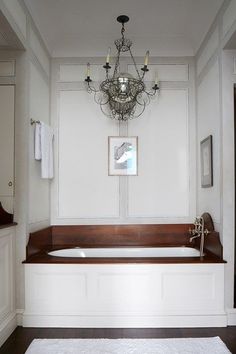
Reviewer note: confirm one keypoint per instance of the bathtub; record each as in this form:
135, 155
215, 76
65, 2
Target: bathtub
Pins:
127, 252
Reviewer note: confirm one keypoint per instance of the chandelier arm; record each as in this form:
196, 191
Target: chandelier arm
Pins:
151, 93
99, 101
143, 103
109, 115
143, 108
91, 88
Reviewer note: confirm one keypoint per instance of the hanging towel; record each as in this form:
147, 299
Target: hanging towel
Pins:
37, 142
44, 149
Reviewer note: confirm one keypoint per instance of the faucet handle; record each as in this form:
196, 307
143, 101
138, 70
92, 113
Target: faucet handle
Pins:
191, 231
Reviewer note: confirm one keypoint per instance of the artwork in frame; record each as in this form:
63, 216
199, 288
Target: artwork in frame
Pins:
206, 162
122, 155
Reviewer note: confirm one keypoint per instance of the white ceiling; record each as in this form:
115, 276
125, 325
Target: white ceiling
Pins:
87, 27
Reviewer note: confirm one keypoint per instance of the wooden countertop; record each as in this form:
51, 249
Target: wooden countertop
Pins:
5, 226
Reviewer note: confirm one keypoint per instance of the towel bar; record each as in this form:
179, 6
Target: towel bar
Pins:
32, 121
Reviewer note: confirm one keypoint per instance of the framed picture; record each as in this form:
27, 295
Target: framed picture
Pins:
206, 162
122, 155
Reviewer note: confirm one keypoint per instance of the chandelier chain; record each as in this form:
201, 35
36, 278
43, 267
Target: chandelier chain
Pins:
135, 65
117, 64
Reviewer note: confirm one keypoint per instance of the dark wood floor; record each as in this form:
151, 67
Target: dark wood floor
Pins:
22, 337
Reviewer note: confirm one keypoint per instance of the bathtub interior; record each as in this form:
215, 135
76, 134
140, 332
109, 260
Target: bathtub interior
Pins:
126, 252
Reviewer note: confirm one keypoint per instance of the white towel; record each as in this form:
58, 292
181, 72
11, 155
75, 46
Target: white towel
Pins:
44, 149
37, 142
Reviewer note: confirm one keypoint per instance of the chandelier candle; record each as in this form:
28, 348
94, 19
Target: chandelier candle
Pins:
108, 55
121, 95
146, 59
88, 70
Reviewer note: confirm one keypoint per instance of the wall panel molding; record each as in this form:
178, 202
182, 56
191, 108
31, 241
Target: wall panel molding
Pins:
7, 68
67, 76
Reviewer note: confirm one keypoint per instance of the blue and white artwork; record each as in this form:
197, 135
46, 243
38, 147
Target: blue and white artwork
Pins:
123, 156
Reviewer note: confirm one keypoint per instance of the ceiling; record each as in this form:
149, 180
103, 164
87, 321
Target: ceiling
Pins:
87, 27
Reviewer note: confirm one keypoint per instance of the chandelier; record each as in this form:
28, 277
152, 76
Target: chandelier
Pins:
121, 95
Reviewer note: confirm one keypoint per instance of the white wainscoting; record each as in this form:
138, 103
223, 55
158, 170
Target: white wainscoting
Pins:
163, 158
7, 283
85, 190
164, 72
124, 295
209, 123
78, 72
82, 191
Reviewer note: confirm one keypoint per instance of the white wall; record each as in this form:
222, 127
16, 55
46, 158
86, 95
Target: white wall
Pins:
209, 199
31, 204
7, 117
215, 115
39, 197
164, 190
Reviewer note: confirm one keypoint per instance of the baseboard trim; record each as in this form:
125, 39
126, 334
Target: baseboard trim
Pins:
19, 317
231, 315
7, 327
30, 320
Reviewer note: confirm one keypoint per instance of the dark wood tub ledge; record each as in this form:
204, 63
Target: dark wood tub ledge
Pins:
157, 235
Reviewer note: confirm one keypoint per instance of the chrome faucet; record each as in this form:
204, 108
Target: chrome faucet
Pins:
199, 231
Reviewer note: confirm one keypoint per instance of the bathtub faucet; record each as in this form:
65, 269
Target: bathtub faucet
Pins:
199, 231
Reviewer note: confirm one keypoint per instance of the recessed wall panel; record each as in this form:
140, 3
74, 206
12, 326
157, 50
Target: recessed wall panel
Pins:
209, 124
84, 188
164, 72
78, 72
161, 188
7, 68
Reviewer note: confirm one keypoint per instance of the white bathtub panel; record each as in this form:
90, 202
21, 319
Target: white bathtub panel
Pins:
128, 293
191, 293
59, 290
117, 294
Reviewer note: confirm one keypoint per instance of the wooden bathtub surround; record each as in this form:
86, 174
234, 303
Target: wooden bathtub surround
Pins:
6, 219
39, 241
150, 235
121, 292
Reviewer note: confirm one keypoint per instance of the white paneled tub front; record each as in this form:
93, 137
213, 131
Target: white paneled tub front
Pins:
124, 295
